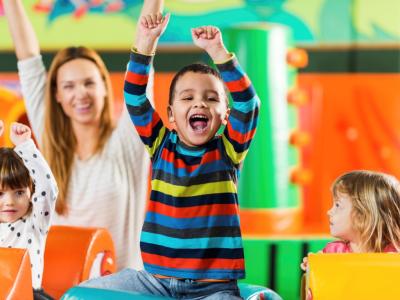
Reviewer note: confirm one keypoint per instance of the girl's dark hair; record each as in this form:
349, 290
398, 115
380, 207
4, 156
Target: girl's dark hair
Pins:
13, 173
195, 68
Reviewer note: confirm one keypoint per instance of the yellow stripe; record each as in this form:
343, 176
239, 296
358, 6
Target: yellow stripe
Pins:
233, 155
156, 143
193, 190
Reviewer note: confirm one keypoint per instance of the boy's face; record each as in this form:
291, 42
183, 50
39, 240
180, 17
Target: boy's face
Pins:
199, 107
14, 204
340, 218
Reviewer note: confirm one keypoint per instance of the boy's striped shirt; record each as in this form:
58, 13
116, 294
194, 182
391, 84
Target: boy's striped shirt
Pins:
192, 227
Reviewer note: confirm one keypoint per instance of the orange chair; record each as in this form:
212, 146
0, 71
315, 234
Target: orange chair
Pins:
15, 274
72, 253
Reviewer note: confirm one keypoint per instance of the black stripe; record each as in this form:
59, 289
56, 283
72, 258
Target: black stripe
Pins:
187, 181
229, 66
192, 253
222, 231
239, 148
244, 117
243, 96
222, 198
140, 58
272, 267
139, 110
156, 131
134, 89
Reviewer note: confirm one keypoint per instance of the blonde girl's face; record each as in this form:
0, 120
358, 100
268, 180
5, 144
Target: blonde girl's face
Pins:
14, 204
81, 91
340, 218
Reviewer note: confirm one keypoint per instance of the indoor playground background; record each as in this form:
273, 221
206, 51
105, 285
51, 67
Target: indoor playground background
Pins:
331, 107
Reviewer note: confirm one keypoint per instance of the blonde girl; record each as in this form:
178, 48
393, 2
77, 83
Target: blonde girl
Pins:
365, 215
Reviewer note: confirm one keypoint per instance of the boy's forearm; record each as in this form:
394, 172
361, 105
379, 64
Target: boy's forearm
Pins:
219, 54
22, 33
144, 44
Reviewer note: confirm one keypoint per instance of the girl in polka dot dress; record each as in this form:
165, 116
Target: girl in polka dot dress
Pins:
28, 192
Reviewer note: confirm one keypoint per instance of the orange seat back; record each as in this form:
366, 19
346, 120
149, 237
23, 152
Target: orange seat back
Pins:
15, 274
69, 256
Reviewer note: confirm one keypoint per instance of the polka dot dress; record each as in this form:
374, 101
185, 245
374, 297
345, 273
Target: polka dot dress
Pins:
30, 231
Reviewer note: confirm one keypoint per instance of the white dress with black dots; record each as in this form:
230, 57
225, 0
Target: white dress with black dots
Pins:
30, 231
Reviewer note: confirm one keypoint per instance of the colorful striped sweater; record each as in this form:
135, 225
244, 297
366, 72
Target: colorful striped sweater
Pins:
192, 228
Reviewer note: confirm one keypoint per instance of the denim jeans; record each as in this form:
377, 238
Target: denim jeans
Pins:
145, 283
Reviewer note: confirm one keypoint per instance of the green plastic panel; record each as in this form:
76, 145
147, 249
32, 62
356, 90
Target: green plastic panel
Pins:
264, 181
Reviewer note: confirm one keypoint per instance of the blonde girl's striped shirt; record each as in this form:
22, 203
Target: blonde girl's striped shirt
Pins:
192, 228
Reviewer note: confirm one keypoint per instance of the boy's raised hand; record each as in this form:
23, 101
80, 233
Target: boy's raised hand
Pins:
19, 133
150, 28
209, 38
1, 127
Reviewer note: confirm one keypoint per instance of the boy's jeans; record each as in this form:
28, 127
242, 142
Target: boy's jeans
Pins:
143, 282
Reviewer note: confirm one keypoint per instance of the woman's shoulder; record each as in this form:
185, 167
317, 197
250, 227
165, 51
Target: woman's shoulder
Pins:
337, 247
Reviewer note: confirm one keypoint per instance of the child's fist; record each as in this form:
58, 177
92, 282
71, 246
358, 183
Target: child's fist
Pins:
19, 133
1, 127
206, 37
304, 263
209, 38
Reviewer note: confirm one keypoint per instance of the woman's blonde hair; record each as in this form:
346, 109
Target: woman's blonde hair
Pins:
376, 207
59, 142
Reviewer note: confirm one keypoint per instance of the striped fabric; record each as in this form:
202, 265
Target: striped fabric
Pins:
192, 227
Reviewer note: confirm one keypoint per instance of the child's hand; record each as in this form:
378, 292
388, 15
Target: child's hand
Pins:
209, 38
19, 133
150, 28
1, 127
304, 264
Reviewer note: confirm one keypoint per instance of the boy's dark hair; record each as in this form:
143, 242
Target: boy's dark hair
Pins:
13, 172
195, 68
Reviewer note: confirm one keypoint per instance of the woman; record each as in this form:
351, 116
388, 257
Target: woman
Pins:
101, 168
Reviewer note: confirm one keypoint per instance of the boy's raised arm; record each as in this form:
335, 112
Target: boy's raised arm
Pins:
24, 37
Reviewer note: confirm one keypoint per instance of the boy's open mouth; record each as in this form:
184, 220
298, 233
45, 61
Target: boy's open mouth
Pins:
198, 122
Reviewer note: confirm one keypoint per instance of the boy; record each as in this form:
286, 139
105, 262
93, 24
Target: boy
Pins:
191, 241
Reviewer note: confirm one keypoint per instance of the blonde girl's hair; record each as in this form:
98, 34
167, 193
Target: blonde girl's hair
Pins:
59, 142
376, 207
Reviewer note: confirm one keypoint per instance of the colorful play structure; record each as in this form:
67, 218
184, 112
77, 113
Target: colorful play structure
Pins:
324, 111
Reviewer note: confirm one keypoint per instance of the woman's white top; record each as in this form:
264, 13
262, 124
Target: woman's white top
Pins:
107, 190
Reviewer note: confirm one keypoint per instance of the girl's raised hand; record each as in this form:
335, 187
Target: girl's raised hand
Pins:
209, 38
1, 127
304, 263
19, 133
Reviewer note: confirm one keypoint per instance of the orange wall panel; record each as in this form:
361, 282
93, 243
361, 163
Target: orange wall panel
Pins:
354, 124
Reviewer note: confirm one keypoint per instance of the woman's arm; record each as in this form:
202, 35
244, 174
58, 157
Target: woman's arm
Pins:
24, 37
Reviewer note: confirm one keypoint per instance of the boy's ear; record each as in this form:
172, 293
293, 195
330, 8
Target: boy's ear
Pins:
171, 117
225, 120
